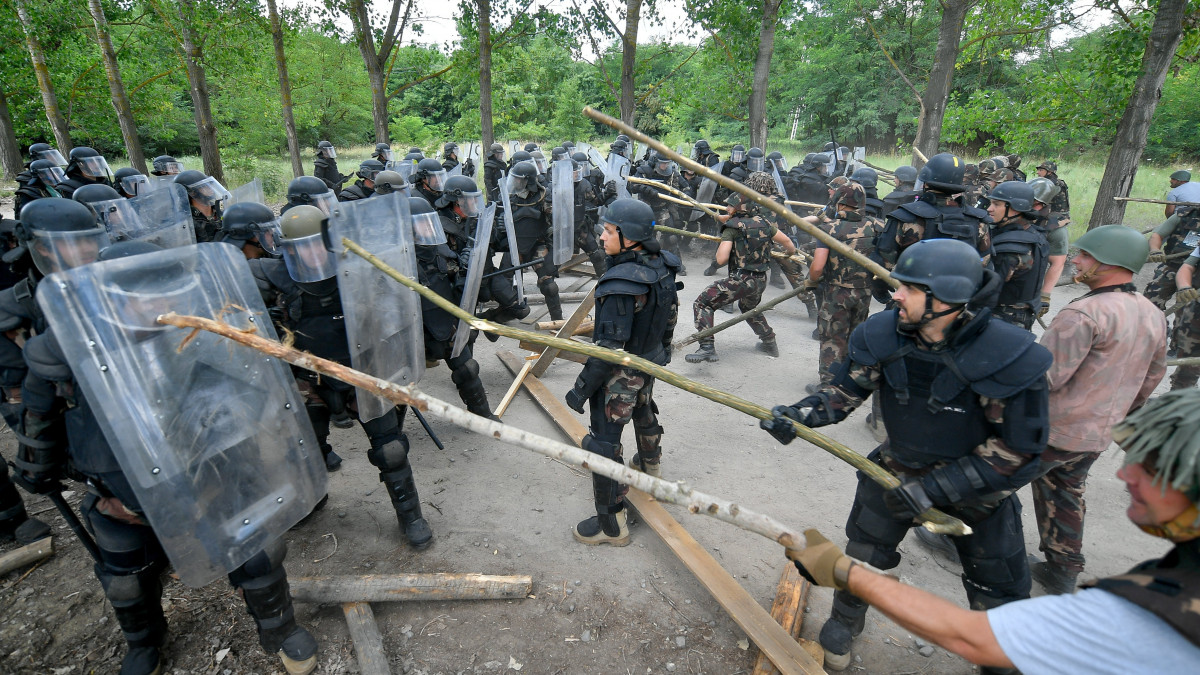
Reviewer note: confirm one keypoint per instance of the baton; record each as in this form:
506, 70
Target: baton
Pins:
68, 514
428, 429
514, 268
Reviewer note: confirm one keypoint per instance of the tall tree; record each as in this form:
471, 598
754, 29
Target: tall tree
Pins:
941, 77
377, 58
285, 90
762, 72
10, 150
193, 61
486, 131
116, 88
595, 22
58, 125
1130, 141
633, 15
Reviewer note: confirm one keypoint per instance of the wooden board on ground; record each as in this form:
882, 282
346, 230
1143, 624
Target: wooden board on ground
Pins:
539, 314
409, 587
568, 329
791, 596
368, 642
781, 648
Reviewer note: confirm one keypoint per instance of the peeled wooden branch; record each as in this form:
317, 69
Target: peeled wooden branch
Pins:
707, 208
935, 520
798, 256
1186, 361
1154, 201
792, 202
682, 202
726, 182
695, 337
26, 555
409, 587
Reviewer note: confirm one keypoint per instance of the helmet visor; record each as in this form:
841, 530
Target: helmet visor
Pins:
306, 258
52, 155
663, 167
135, 185
209, 192
577, 174
427, 229
169, 168
58, 251
756, 164
517, 184
471, 204
329, 151
737, 156
540, 163
436, 180
52, 175
386, 155
779, 164
118, 217
324, 201
94, 167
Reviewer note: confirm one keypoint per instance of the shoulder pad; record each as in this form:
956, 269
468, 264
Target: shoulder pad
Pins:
671, 261
45, 358
875, 339
13, 314
976, 213
1003, 360
628, 278
618, 286
907, 213
1016, 241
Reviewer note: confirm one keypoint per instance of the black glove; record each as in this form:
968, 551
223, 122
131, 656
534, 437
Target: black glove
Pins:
907, 501
575, 400
469, 168
780, 425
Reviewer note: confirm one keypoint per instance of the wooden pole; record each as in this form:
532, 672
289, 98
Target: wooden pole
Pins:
567, 330
934, 519
799, 256
26, 555
832, 242
368, 642
512, 390
409, 587
1154, 201
707, 208
1186, 361
791, 202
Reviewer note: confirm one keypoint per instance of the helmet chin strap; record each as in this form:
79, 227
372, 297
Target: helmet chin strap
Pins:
1089, 274
914, 328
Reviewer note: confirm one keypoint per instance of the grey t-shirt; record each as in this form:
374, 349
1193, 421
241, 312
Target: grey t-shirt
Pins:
1091, 631
1188, 192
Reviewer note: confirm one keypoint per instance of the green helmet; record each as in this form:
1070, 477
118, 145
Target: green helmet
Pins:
1044, 190
301, 221
1116, 245
1153, 432
1184, 176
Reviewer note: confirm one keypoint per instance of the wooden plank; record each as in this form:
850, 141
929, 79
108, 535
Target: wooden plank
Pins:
783, 651
568, 329
576, 259
584, 328
565, 356
409, 587
26, 555
513, 389
368, 643
791, 595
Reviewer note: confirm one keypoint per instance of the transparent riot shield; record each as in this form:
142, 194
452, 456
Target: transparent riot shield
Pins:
456, 171
479, 256
704, 193
383, 318
618, 171
513, 147
781, 191
598, 161
162, 217
250, 192
644, 151
563, 213
510, 230
404, 167
585, 148
212, 435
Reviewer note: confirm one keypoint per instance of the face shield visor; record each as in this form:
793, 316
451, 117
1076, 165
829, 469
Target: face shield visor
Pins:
169, 168
517, 184
427, 229
135, 185
779, 164
540, 163
95, 168
385, 155
306, 258
471, 204
756, 164
324, 201
118, 218
578, 173
53, 156
51, 176
737, 156
210, 193
663, 167
329, 152
436, 180
57, 251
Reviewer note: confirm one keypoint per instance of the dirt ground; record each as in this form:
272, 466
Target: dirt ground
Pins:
499, 509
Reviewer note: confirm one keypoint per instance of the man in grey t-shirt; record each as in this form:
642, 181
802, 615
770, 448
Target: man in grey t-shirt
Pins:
1182, 190
1147, 620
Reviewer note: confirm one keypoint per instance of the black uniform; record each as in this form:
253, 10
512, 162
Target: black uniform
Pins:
493, 170
29, 188
1020, 258
532, 219
935, 216
666, 213
357, 191
805, 182
587, 205
897, 197
327, 170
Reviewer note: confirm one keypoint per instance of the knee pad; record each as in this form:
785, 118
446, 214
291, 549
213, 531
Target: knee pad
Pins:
267, 560
124, 548
607, 449
390, 456
122, 590
548, 286
464, 372
383, 430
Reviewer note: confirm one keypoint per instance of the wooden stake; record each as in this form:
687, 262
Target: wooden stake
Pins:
791, 597
409, 587
791, 202
568, 329
707, 208
799, 256
26, 555
513, 389
368, 642
1154, 201
537, 349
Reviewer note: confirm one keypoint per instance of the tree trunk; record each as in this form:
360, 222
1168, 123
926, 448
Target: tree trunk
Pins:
58, 125
116, 88
762, 71
198, 88
285, 90
366, 46
941, 76
10, 151
1130, 141
486, 133
633, 13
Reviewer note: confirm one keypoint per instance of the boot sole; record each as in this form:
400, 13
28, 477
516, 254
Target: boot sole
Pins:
702, 359
836, 662
298, 667
619, 541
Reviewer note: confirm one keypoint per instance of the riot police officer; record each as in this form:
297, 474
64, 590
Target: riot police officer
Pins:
86, 167
130, 182
636, 307
309, 190
325, 167
703, 154
869, 180
383, 153
906, 178
243, 226
532, 211
660, 169
44, 177
450, 155
166, 165
208, 198
966, 407
429, 179
493, 170
1020, 256
388, 182
365, 185
588, 200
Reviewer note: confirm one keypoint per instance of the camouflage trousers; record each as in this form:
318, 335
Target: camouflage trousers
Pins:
1187, 344
1059, 506
841, 310
1160, 290
796, 276
744, 287
627, 396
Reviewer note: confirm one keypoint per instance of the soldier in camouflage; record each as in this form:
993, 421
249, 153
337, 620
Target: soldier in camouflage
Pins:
845, 286
1058, 236
1187, 322
746, 246
1062, 201
1170, 243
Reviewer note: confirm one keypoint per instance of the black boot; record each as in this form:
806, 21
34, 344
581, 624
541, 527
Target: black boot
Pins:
846, 621
395, 473
609, 525
711, 270
1056, 579
15, 523
137, 601
270, 604
465, 376
706, 352
333, 461
768, 346
549, 289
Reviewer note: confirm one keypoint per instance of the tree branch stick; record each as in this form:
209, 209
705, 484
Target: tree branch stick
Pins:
799, 256
1154, 201
707, 208
832, 242
792, 202
935, 520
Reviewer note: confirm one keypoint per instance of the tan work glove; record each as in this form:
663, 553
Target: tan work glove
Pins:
1156, 257
821, 562
1045, 305
1186, 295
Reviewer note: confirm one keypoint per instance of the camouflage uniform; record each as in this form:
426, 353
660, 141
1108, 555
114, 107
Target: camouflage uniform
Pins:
845, 289
1180, 234
751, 235
1186, 338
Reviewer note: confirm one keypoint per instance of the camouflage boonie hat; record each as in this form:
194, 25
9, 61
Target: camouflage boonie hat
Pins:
851, 194
762, 183
1002, 176
838, 182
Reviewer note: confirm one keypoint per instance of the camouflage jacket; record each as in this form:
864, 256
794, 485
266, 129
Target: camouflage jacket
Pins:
860, 235
751, 239
1109, 350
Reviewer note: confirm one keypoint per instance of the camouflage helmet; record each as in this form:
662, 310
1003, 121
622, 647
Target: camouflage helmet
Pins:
1044, 190
387, 182
1002, 176
1116, 245
1049, 166
762, 182
850, 194
1148, 437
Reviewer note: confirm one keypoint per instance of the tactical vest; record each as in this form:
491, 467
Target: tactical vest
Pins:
434, 271
529, 219
1024, 288
355, 192
859, 235
1186, 235
897, 197
739, 172
638, 273
938, 221
752, 246
313, 311
1169, 588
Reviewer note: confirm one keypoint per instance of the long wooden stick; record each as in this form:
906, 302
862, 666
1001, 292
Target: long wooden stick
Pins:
707, 208
798, 256
694, 337
409, 587
1154, 201
512, 390
934, 520
792, 202
679, 493
726, 182
1185, 361
676, 200
368, 642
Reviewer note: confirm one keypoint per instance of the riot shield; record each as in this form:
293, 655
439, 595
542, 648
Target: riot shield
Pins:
704, 194
480, 252
383, 318
404, 167
250, 192
212, 435
510, 229
782, 192
618, 171
563, 210
598, 162
644, 151
585, 148
161, 217
456, 171
513, 147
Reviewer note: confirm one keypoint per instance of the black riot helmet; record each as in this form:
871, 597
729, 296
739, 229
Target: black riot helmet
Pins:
738, 154
414, 157
830, 147
775, 159
47, 171
244, 221
166, 165
634, 219
585, 166
450, 150
204, 191
312, 191
756, 160
949, 269
944, 173
96, 192
865, 176
60, 234
530, 147
522, 177
626, 139
620, 147
463, 191
663, 165
88, 163
326, 149
906, 174
521, 156
558, 153
496, 150
568, 145
36, 150
131, 182
430, 170
1017, 194
368, 169
702, 147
